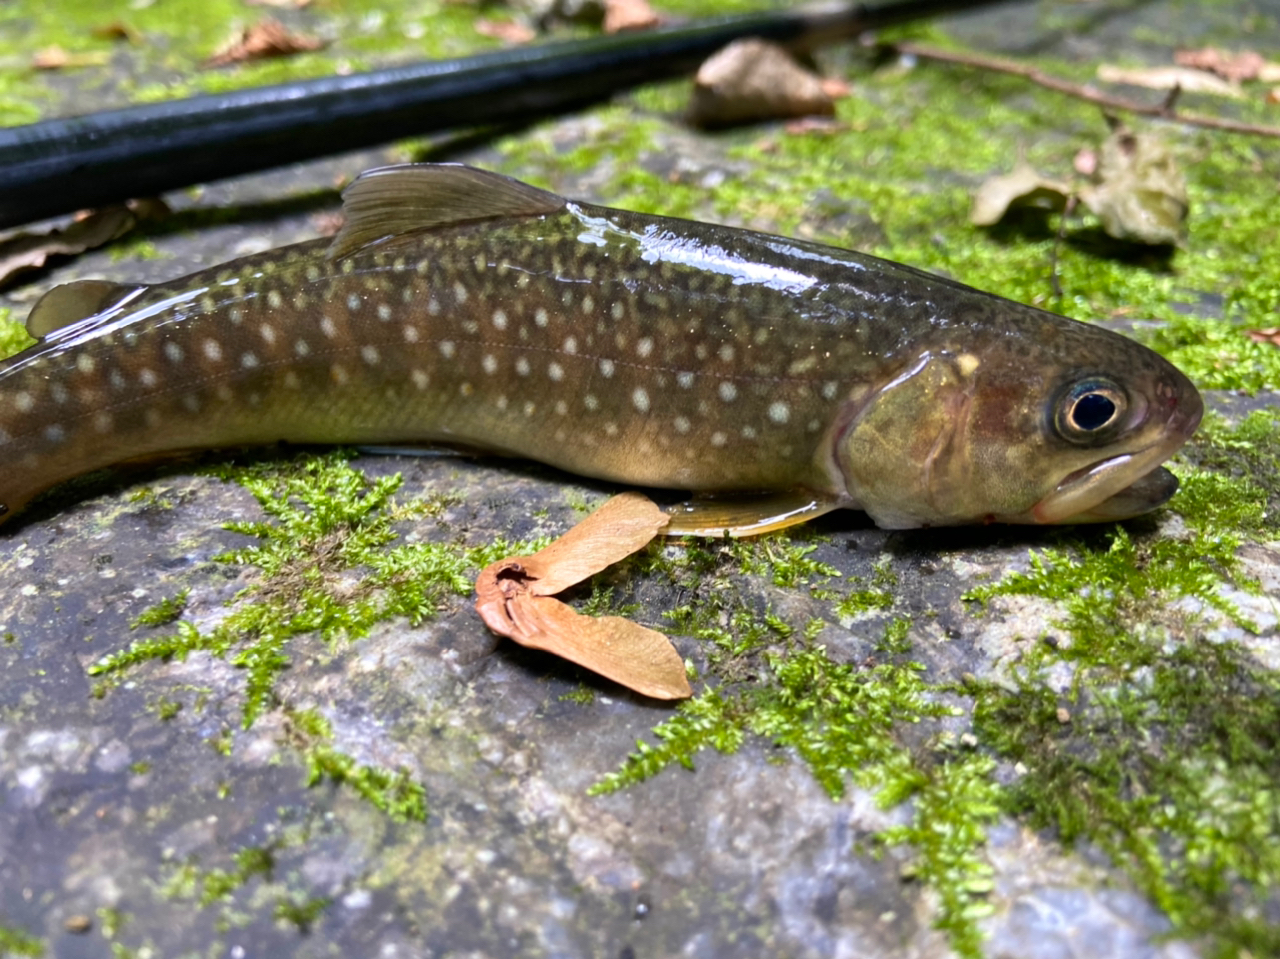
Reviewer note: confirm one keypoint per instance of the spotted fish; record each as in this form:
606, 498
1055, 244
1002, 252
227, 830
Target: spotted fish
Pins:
776, 379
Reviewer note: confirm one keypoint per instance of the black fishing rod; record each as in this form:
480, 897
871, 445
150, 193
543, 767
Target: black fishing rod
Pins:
62, 165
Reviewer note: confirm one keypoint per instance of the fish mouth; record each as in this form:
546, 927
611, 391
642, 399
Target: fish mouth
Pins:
1121, 486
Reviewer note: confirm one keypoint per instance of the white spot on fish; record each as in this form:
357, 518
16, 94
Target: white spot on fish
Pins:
328, 327
606, 368
353, 301
591, 403
501, 402
530, 407
338, 374
236, 315
191, 402
313, 272
407, 295
562, 407
685, 379
967, 363
749, 432
728, 391
420, 379
23, 402
829, 390
433, 306
117, 379
148, 378
611, 429
384, 312
102, 422
447, 349
302, 348
291, 380
571, 345
268, 333
85, 363
411, 334
54, 433
173, 351
459, 293
370, 355
681, 424
489, 363
540, 317
779, 412
58, 392
640, 399
617, 310
718, 439
726, 352
555, 371
248, 360
522, 366
466, 389
274, 299
499, 320
644, 346
300, 301
212, 350
588, 305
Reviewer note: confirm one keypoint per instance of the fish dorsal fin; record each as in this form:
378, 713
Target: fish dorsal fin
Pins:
413, 197
75, 301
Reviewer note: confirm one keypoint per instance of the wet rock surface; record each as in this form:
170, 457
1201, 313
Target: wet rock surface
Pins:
145, 804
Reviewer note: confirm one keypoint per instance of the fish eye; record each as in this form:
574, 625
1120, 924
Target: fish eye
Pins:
1089, 408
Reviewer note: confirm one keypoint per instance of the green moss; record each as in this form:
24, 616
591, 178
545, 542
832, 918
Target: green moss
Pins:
13, 334
162, 613
1169, 753
15, 942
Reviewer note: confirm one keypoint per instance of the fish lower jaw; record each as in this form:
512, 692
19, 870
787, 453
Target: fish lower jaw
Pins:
1117, 487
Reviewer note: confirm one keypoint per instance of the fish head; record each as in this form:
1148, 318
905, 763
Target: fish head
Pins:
1067, 430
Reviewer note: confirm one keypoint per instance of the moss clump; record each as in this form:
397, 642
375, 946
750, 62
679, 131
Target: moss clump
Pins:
162, 613
846, 723
328, 522
1165, 749
15, 942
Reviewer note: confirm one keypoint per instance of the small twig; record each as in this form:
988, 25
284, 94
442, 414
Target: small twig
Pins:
1057, 244
1090, 94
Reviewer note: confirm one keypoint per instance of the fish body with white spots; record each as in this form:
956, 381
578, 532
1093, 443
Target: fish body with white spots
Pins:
777, 379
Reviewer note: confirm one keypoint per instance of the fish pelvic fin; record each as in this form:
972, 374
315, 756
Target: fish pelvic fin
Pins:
746, 515
76, 301
413, 197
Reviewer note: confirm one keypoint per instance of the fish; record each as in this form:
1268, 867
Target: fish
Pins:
774, 379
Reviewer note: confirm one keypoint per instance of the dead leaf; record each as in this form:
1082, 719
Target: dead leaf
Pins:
622, 15
508, 31
514, 600
1235, 67
1141, 195
56, 58
117, 30
266, 38
1270, 335
753, 80
807, 125
1023, 188
1273, 96
30, 251
1166, 78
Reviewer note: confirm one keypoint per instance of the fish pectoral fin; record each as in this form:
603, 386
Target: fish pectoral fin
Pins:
413, 197
75, 301
746, 515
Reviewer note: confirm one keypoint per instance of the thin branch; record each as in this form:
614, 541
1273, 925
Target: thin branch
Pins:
1085, 92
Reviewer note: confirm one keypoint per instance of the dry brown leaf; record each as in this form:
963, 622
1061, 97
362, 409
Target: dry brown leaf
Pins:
56, 58
30, 251
117, 30
1141, 195
1269, 335
508, 31
514, 600
266, 38
622, 15
1235, 67
1166, 78
1024, 188
753, 80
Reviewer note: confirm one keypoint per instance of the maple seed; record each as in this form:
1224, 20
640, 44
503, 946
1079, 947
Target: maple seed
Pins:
514, 598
